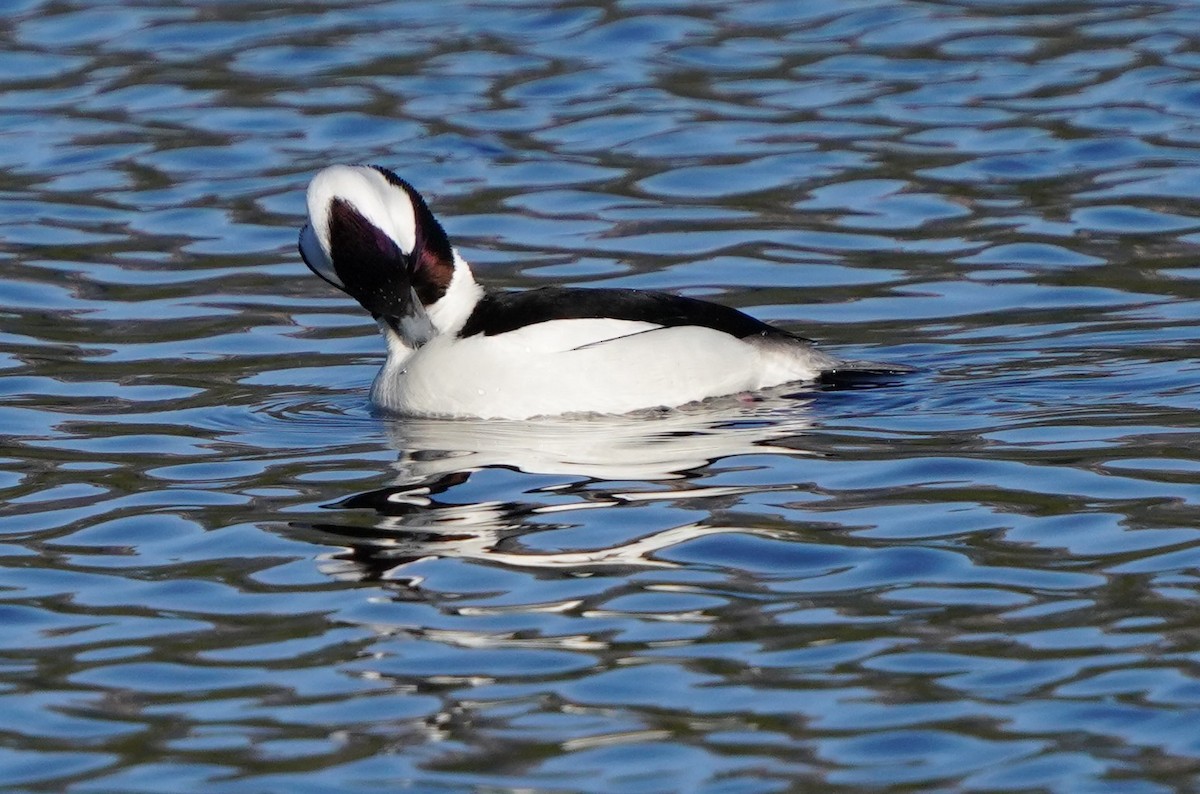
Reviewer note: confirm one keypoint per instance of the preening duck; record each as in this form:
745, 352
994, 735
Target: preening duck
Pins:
458, 349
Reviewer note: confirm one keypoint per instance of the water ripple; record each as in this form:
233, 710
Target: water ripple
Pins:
218, 569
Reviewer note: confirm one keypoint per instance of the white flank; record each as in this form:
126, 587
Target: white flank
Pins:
386, 206
563, 366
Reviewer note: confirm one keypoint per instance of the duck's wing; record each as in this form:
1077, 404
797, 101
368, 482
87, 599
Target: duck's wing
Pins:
505, 312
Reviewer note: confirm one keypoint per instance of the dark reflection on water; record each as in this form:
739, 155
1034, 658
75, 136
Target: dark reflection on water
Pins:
219, 572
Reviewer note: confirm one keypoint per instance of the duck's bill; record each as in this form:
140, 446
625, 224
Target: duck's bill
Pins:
314, 256
413, 327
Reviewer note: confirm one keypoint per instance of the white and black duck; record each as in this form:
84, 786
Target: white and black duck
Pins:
457, 348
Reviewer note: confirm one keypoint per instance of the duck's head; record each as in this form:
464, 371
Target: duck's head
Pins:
371, 235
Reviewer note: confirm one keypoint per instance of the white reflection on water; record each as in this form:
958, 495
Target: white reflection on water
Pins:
645, 446
596, 461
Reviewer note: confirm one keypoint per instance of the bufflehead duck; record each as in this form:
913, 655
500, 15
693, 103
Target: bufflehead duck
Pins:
455, 348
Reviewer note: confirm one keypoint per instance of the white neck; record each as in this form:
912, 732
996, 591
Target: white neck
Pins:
450, 312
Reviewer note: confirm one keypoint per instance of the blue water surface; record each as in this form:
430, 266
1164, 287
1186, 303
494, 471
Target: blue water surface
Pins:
220, 572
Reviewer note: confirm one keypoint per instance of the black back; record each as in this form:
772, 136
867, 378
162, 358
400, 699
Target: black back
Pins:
500, 312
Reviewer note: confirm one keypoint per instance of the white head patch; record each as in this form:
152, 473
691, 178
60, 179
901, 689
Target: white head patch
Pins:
385, 205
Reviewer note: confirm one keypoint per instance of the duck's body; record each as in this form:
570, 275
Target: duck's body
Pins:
543, 352
458, 349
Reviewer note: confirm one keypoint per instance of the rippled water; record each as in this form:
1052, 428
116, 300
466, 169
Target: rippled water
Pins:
220, 572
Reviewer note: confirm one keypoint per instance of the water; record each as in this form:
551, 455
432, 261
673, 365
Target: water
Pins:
219, 572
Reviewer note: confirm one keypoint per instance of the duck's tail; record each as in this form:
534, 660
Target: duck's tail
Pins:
862, 375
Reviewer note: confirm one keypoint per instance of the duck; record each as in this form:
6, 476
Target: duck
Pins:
456, 348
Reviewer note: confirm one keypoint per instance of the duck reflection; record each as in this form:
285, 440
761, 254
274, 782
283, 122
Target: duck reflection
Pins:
549, 470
